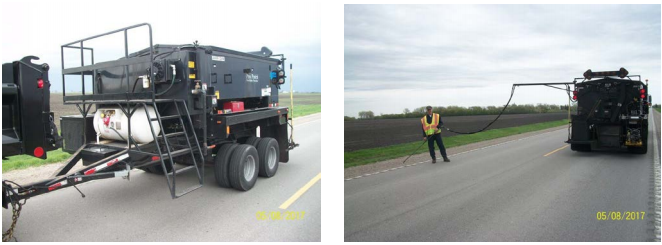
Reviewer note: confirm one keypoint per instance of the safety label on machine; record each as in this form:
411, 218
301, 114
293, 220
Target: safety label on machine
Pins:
217, 58
266, 91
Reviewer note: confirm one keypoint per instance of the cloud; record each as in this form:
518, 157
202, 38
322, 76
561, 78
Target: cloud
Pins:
428, 54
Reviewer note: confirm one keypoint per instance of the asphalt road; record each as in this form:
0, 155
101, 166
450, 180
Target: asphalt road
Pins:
507, 192
142, 210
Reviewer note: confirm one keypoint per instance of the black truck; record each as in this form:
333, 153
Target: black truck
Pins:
612, 112
189, 104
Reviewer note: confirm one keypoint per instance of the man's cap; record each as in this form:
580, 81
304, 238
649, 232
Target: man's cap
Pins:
428, 108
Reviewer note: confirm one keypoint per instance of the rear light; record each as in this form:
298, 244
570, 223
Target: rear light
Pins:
38, 152
91, 171
40, 83
574, 92
155, 158
642, 91
574, 97
643, 96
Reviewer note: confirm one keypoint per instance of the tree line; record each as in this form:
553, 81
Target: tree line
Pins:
466, 111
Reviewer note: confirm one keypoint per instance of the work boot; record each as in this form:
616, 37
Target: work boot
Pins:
434, 160
446, 159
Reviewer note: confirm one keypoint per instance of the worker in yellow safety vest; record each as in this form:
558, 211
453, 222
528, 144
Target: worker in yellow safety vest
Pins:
432, 132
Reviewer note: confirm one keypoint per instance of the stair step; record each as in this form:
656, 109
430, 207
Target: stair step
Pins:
189, 190
183, 170
175, 134
166, 117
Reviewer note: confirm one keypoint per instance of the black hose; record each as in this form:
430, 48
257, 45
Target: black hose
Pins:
512, 92
134, 141
168, 89
134, 85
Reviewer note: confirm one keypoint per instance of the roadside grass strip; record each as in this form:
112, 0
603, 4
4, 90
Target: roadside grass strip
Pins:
304, 110
26, 161
373, 155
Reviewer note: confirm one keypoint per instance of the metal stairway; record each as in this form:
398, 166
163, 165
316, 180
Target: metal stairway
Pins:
170, 151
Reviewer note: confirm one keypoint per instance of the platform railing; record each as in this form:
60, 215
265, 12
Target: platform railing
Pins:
93, 67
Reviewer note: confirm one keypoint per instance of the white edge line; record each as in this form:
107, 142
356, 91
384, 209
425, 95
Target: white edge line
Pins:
656, 168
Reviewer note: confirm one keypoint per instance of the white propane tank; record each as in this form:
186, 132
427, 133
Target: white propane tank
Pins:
108, 118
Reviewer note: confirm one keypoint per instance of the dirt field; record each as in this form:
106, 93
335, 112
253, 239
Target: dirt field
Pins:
60, 109
362, 134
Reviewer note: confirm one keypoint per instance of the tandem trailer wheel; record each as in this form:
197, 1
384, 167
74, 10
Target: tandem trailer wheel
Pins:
244, 167
222, 164
252, 140
267, 149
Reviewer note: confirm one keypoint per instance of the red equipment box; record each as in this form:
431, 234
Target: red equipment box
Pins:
234, 106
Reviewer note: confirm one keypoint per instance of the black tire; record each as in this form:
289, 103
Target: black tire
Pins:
221, 164
580, 147
267, 149
244, 167
252, 140
638, 150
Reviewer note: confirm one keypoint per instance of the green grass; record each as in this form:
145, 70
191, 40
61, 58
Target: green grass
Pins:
302, 110
304, 103
26, 161
658, 109
368, 156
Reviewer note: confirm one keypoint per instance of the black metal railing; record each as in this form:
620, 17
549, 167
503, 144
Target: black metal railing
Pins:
93, 67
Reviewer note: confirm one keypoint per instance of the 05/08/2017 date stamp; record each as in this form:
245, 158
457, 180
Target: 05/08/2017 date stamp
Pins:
277, 215
615, 215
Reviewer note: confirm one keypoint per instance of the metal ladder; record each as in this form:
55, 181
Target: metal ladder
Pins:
170, 154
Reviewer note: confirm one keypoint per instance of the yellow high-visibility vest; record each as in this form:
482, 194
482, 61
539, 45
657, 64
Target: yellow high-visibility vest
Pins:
432, 127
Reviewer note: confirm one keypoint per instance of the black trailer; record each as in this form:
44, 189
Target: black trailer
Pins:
189, 104
612, 111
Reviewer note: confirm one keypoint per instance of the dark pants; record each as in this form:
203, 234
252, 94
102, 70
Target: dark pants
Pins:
440, 143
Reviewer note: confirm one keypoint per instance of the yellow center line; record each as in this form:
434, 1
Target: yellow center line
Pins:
556, 150
300, 192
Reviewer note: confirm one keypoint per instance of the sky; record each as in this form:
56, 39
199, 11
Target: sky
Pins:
409, 56
40, 27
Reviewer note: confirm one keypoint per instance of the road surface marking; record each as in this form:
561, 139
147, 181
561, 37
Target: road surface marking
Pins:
301, 124
464, 152
656, 173
300, 192
555, 150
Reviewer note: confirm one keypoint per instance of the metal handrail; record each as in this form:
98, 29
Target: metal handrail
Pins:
126, 55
